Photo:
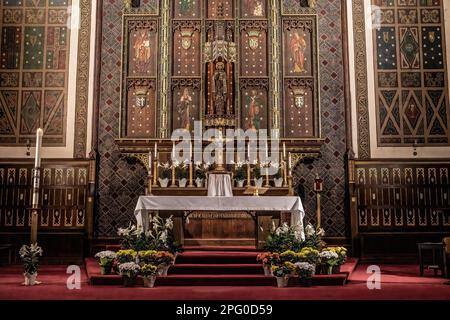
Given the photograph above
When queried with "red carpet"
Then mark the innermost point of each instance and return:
(218, 268)
(398, 282)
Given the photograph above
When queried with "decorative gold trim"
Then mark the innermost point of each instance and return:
(276, 41)
(82, 95)
(362, 98)
(165, 90)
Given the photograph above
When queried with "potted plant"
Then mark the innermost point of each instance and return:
(328, 260)
(182, 175)
(277, 177)
(126, 256)
(282, 273)
(129, 272)
(30, 258)
(289, 256)
(149, 272)
(305, 271)
(258, 176)
(267, 259)
(239, 174)
(200, 174)
(165, 173)
(148, 257)
(106, 261)
(309, 255)
(165, 260)
(342, 258)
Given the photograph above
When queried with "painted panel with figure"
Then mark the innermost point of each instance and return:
(297, 37)
(253, 9)
(143, 52)
(254, 111)
(186, 103)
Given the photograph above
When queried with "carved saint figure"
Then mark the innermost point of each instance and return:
(220, 88)
(142, 50)
(254, 119)
(184, 109)
(298, 48)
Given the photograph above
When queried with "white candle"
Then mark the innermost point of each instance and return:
(267, 151)
(284, 150)
(39, 134)
(156, 150)
(248, 151)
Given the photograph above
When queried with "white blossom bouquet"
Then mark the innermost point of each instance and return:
(106, 258)
(129, 269)
(329, 258)
(305, 270)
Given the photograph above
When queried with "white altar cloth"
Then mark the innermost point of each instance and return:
(219, 185)
(149, 204)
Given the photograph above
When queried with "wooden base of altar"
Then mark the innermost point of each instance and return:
(225, 229)
(158, 191)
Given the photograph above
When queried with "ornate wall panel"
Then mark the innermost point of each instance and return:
(411, 85)
(300, 71)
(140, 76)
(63, 197)
(403, 197)
(33, 72)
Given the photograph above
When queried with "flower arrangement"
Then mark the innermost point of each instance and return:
(284, 238)
(289, 256)
(329, 259)
(283, 270)
(257, 172)
(341, 252)
(268, 258)
(106, 261)
(149, 270)
(165, 258)
(126, 256)
(239, 173)
(133, 238)
(161, 237)
(201, 169)
(148, 257)
(129, 272)
(30, 257)
(305, 271)
(181, 171)
(276, 166)
(165, 171)
(314, 237)
(309, 255)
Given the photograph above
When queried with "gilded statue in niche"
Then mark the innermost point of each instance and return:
(297, 46)
(219, 88)
(185, 106)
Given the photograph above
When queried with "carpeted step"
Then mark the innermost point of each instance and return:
(197, 269)
(217, 257)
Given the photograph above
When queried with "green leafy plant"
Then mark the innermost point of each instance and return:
(148, 270)
(284, 238)
(126, 256)
(165, 171)
(30, 257)
(285, 269)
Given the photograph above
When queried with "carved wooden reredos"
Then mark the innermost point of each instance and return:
(249, 64)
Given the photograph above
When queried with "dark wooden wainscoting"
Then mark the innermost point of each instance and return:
(397, 204)
(66, 213)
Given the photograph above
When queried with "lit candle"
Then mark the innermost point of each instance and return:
(39, 134)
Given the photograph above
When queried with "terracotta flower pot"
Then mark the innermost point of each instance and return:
(149, 282)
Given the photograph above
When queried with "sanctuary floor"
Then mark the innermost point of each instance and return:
(399, 282)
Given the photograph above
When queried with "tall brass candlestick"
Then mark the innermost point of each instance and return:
(291, 189)
(267, 177)
(34, 225)
(285, 175)
(174, 179)
(249, 176)
(150, 184)
(191, 175)
(155, 174)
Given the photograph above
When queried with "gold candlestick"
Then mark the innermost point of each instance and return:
(285, 175)
(267, 177)
(174, 179)
(34, 226)
(191, 175)
(249, 176)
(291, 189)
(150, 179)
(155, 174)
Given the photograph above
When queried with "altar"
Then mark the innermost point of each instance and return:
(263, 210)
